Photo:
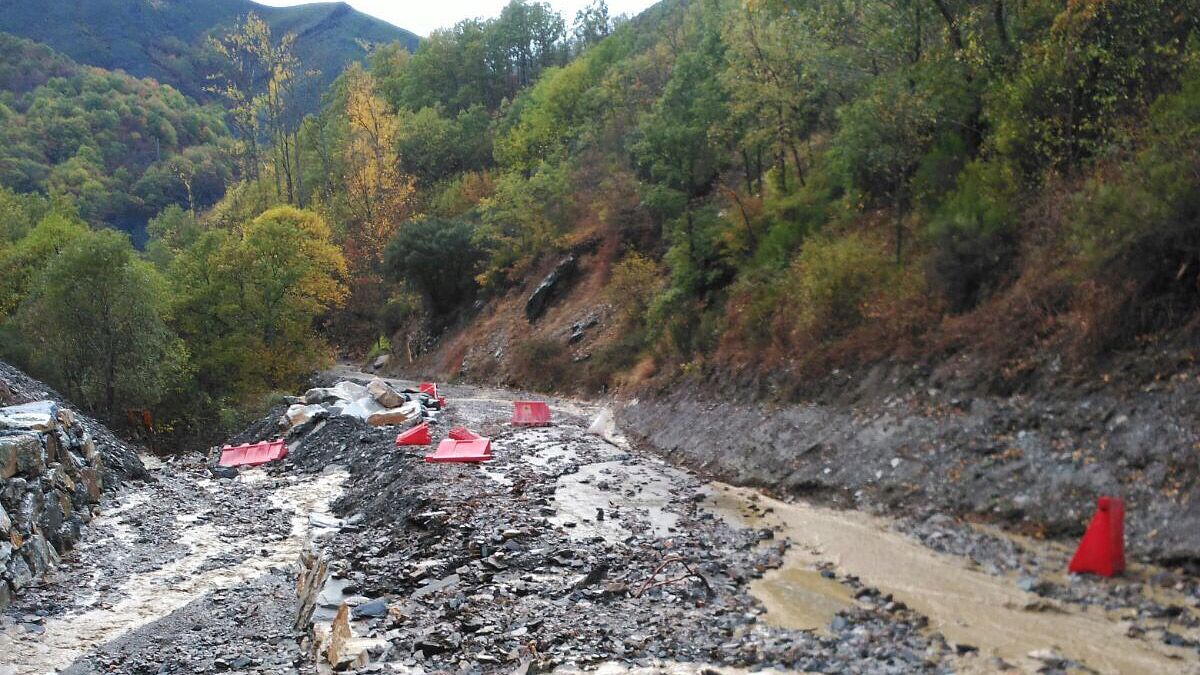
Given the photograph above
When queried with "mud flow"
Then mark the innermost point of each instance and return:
(569, 552)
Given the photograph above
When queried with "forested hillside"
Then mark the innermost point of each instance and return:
(167, 39)
(796, 187)
(776, 188)
(120, 148)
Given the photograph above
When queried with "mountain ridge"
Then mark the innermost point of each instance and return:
(162, 39)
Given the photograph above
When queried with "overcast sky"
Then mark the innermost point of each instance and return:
(423, 16)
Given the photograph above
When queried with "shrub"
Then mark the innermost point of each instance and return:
(831, 281)
(1101, 64)
(633, 284)
(540, 364)
(973, 235)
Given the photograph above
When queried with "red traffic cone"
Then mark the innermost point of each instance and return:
(1102, 549)
(418, 435)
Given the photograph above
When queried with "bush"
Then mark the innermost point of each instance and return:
(540, 364)
(633, 284)
(973, 235)
(1101, 64)
(831, 281)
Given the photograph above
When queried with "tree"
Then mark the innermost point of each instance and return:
(262, 82)
(248, 300)
(242, 50)
(378, 193)
(592, 24)
(21, 262)
(97, 320)
(439, 259)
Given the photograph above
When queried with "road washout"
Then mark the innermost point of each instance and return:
(570, 552)
(969, 607)
(158, 547)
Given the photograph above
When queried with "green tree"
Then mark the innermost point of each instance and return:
(439, 259)
(248, 301)
(22, 261)
(97, 321)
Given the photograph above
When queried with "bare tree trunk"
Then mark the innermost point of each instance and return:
(952, 27)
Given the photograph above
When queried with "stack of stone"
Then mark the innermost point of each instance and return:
(50, 485)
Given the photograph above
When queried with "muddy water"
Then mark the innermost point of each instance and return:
(152, 595)
(967, 606)
(800, 598)
(586, 499)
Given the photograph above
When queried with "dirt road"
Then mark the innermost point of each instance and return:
(568, 551)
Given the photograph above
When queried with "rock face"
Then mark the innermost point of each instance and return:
(54, 467)
(551, 287)
(50, 485)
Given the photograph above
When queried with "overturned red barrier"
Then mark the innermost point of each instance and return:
(450, 450)
(418, 435)
(463, 434)
(1102, 549)
(253, 454)
(428, 388)
(531, 413)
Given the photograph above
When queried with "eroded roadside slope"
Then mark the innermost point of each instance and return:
(921, 444)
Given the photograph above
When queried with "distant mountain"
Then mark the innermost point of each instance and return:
(162, 39)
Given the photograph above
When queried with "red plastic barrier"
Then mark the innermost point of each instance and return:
(253, 454)
(463, 434)
(450, 450)
(531, 413)
(418, 435)
(428, 388)
(1102, 549)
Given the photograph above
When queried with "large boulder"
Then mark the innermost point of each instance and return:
(18, 573)
(35, 416)
(384, 395)
(21, 453)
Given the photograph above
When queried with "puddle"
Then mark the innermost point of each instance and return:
(150, 596)
(967, 606)
(579, 497)
(800, 599)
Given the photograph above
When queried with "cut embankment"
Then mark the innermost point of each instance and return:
(1035, 465)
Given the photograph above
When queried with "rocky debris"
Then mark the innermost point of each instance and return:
(551, 287)
(161, 537)
(579, 328)
(384, 395)
(50, 487)
(118, 461)
(381, 362)
(377, 403)
(242, 629)
(445, 567)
